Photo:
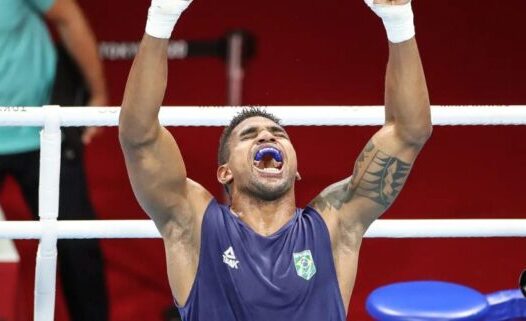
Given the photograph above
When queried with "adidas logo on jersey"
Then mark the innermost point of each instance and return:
(229, 258)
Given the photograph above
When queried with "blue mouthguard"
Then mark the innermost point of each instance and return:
(268, 151)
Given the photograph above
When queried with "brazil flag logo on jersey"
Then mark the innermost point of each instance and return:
(304, 264)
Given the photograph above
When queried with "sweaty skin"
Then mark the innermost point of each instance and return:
(176, 203)
(351, 205)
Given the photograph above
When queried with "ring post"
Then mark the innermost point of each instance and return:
(235, 71)
(46, 264)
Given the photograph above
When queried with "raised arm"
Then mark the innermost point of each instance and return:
(154, 162)
(382, 168)
(153, 159)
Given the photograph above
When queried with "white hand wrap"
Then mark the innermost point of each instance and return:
(163, 15)
(397, 19)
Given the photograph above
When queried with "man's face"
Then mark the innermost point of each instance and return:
(262, 160)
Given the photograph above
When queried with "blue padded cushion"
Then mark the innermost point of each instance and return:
(506, 305)
(426, 301)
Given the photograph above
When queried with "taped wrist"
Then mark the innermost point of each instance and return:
(163, 15)
(398, 20)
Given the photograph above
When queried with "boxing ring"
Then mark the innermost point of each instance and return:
(51, 118)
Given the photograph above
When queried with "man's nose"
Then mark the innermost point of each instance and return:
(266, 136)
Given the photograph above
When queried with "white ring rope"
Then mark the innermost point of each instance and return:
(291, 116)
(446, 228)
(48, 229)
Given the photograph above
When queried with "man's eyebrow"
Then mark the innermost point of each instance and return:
(248, 131)
(277, 129)
(254, 129)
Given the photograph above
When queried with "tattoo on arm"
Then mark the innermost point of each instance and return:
(376, 176)
(379, 177)
(334, 196)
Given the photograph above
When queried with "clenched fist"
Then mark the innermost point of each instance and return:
(397, 16)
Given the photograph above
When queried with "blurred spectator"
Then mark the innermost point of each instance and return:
(29, 66)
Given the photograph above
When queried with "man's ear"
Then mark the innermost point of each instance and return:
(224, 174)
(298, 176)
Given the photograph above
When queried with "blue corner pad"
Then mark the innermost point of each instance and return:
(427, 301)
(506, 305)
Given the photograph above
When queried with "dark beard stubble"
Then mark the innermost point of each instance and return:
(266, 193)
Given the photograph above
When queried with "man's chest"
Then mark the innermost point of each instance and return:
(274, 278)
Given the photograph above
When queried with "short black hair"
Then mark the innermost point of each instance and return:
(224, 152)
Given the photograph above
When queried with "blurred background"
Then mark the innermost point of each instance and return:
(327, 53)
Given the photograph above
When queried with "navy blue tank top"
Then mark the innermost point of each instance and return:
(243, 276)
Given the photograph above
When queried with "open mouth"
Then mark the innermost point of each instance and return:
(268, 160)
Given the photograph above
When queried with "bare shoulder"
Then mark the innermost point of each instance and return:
(380, 172)
(187, 212)
(330, 203)
(199, 197)
(333, 197)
